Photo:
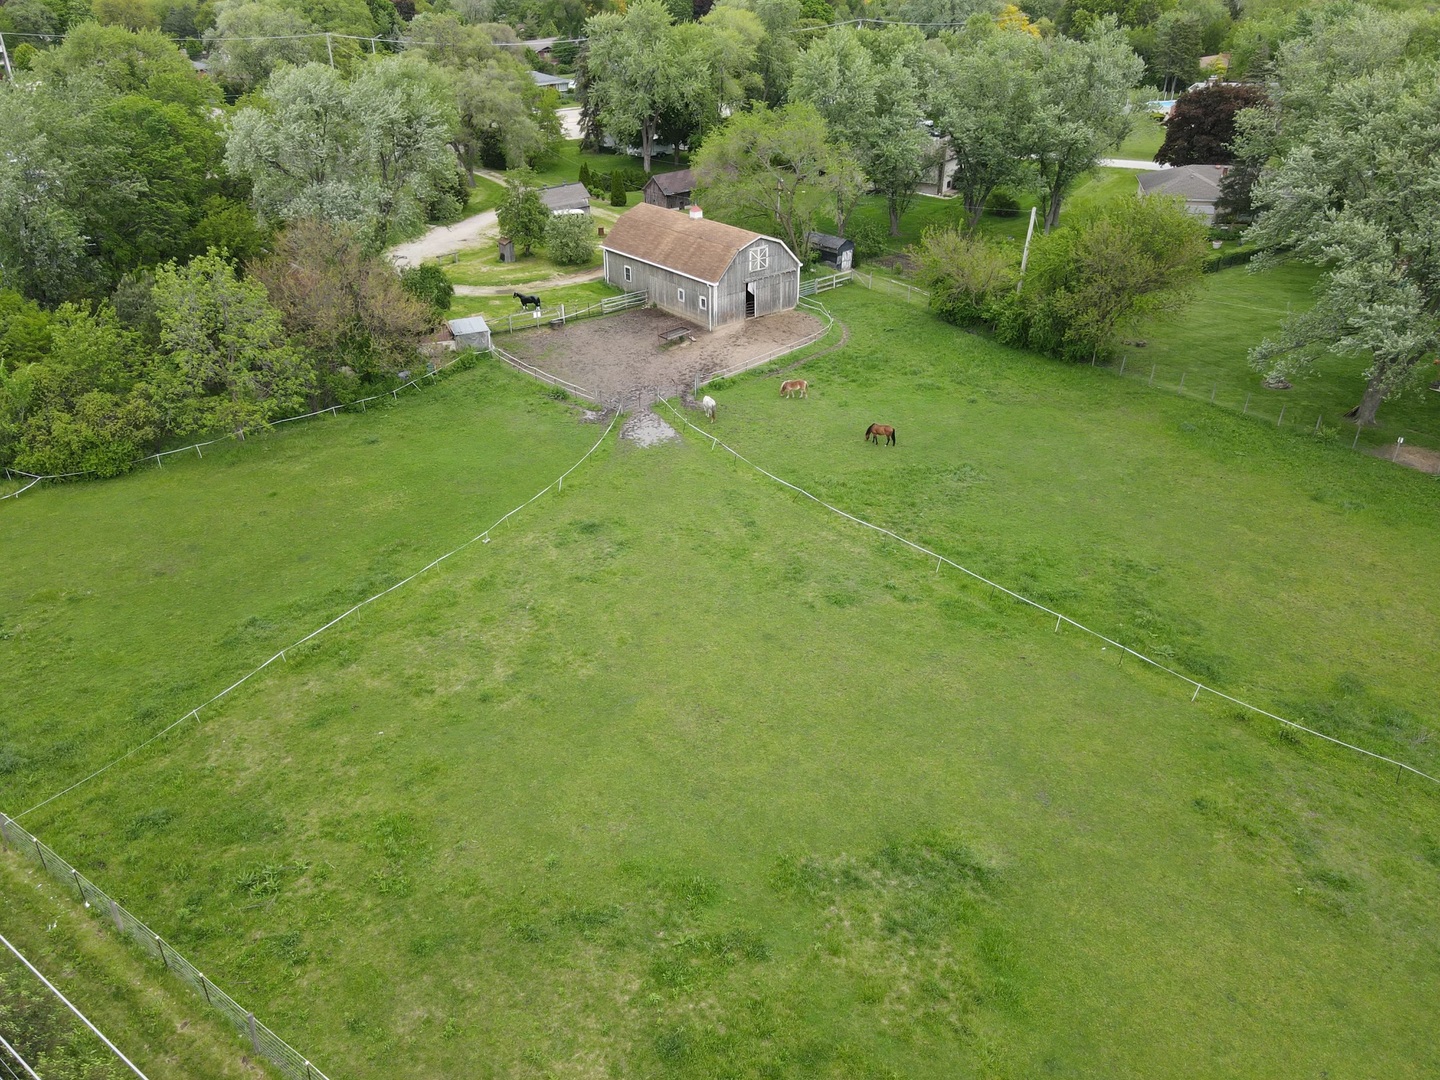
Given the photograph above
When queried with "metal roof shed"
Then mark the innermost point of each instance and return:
(471, 333)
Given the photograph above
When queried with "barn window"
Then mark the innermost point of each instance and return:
(759, 258)
(680, 295)
(704, 303)
(627, 273)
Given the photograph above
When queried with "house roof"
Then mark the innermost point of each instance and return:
(696, 247)
(565, 196)
(826, 242)
(543, 78)
(1199, 183)
(680, 182)
(475, 324)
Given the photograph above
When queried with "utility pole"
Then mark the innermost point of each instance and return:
(1025, 255)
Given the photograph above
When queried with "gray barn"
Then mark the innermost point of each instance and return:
(703, 271)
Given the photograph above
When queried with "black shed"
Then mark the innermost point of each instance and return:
(835, 251)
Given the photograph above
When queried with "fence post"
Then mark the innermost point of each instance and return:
(1356, 442)
(1122, 364)
(161, 946)
(75, 876)
(1151, 381)
(1182, 382)
(41, 852)
(1317, 423)
(205, 988)
(1281, 420)
(115, 914)
(1246, 410)
(1212, 393)
(254, 1039)
(4, 840)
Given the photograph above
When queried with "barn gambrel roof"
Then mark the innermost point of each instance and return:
(695, 247)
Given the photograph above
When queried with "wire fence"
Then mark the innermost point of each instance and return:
(434, 371)
(890, 285)
(264, 1042)
(528, 320)
(1271, 407)
(1060, 619)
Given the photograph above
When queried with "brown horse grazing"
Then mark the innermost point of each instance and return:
(793, 387)
(875, 432)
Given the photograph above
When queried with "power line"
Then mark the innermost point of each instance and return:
(16, 1055)
(83, 1018)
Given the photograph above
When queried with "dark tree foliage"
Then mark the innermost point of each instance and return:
(1202, 124)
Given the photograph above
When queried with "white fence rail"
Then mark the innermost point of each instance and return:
(528, 320)
(264, 1042)
(544, 376)
(824, 284)
(774, 354)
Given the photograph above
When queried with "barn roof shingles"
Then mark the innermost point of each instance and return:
(680, 182)
(698, 248)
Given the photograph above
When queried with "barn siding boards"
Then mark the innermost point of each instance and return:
(667, 252)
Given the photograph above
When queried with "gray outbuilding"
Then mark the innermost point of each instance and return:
(704, 271)
(569, 198)
(834, 251)
(471, 333)
(670, 189)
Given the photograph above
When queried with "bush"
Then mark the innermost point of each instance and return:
(1002, 204)
(869, 238)
(617, 189)
(570, 239)
(428, 283)
(1236, 256)
(966, 274)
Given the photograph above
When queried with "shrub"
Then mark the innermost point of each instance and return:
(570, 239)
(965, 274)
(869, 238)
(1002, 204)
(428, 283)
(617, 189)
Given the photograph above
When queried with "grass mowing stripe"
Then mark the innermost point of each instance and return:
(195, 712)
(1059, 618)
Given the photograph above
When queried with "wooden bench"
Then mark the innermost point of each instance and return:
(679, 333)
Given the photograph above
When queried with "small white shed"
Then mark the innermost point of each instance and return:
(471, 333)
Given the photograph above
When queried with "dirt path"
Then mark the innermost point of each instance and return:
(544, 283)
(443, 240)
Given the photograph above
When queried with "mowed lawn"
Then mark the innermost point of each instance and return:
(682, 775)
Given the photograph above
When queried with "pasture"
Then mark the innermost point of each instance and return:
(681, 775)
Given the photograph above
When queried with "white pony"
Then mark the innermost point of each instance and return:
(708, 404)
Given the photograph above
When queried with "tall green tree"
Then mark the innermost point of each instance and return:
(1201, 126)
(521, 214)
(984, 100)
(634, 72)
(250, 40)
(369, 153)
(774, 168)
(1353, 186)
(1082, 108)
(228, 364)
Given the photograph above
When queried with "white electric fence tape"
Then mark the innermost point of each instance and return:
(1059, 618)
(195, 712)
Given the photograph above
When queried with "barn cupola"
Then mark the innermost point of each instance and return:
(696, 213)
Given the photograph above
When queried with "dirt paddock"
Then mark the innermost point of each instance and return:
(622, 355)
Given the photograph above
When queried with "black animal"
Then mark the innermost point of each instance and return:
(527, 301)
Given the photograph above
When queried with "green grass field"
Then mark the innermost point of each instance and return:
(1207, 345)
(682, 776)
(573, 297)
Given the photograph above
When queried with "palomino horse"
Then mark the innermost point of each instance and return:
(708, 404)
(527, 301)
(875, 432)
(793, 387)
